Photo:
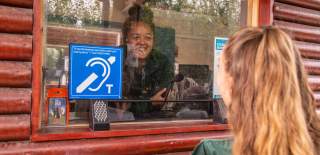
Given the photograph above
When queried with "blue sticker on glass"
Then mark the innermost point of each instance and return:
(220, 42)
(95, 72)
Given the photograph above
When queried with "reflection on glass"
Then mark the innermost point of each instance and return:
(78, 12)
(55, 68)
(161, 40)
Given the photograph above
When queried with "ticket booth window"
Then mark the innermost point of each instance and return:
(168, 61)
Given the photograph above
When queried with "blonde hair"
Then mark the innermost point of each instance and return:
(272, 110)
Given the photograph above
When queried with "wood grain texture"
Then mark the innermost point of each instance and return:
(14, 127)
(315, 86)
(17, 3)
(148, 144)
(308, 50)
(317, 97)
(15, 47)
(314, 82)
(15, 74)
(51, 134)
(296, 14)
(15, 20)
(300, 32)
(312, 66)
(15, 100)
(36, 63)
(311, 4)
(265, 12)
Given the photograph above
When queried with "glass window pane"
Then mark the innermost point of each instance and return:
(169, 52)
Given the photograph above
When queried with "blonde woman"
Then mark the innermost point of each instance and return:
(270, 105)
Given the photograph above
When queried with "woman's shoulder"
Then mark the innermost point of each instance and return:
(157, 58)
(156, 54)
(213, 147)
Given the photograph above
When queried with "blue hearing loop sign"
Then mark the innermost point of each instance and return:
(95, 72)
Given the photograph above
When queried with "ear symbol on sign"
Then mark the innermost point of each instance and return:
(93, 76)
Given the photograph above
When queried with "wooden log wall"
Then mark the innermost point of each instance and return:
(301, 18)
(16, 19)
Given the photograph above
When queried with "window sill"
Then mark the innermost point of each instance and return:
(146, 144)
(127, 129)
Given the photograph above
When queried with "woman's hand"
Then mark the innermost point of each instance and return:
(139, 51)
(158, 97)
(136, 51)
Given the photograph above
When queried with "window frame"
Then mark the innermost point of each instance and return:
(137, 128)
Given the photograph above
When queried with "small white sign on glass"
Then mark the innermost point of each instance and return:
(219, 43)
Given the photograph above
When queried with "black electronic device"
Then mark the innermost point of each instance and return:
(98, 115)
(178, 78)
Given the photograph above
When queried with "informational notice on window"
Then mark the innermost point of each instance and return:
(95, 72)
(219, 43)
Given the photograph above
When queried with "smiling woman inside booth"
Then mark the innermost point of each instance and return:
(147, 71)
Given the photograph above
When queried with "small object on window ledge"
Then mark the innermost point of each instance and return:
(57, 106)
(98, 116)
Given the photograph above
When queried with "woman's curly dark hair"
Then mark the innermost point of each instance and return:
(137, 13)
